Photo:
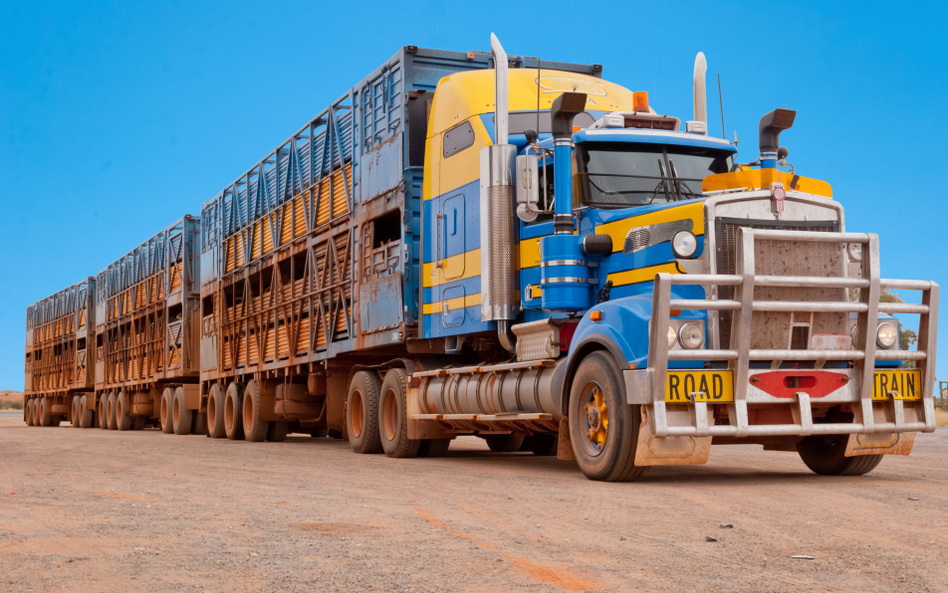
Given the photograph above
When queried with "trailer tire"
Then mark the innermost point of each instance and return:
(604, 428)
(826, 455)
(255, 428)
(504, 443)
(29, 412)
(74, 412)
(164, 410)
(232, 411)
(180, 416)
(85, 414)
(111, 404)
(37, 412)
(277, 430)
(434, 447)
(45, 418)
(362, 412)
(215, 412)
(123, 421)
(198, 422)
(102, 415)
(393, 417)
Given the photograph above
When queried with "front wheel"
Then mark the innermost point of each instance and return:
(826, 455)
(603, 427)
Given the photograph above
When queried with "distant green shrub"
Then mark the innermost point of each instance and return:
(14, 405)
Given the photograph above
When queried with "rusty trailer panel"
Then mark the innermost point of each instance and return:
(146, 312)
(60, 333)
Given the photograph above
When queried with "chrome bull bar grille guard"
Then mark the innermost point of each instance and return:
(650, 388)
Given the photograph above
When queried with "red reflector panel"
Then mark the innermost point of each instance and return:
(789, 383)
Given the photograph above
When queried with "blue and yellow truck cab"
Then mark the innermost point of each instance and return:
(614, 286)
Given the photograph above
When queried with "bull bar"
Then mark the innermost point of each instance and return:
(650, 386)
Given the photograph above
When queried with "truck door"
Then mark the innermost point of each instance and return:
(451, 246)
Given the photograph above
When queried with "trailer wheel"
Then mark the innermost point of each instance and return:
(255, 429)
(215, 412)
(29, 412)
(164, 410)
(74, 412)
(434, 447)
(198, 422)
(504, 443)
(362, 412)
(45, 418)
(232, 416)
(180, 416)
(826, 455)
(85, 414)
(111, 410)
(123, 421)
(277, 430)
(102, 416)
(393, 417)
(604, 428)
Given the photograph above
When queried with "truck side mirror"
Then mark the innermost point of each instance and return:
(528, 187)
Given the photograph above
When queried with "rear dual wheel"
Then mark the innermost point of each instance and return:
(28, 412)
(74, 412)
(45, 418)
(393, 417)
(110, 409)
(181, 417)
(215, 412)
(102, 417)
(85, 414)
(233, 405)
(362, 412)
(255, 428)
(123, 420)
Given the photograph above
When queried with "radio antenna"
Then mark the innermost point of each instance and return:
(538, 96)
(721, 102)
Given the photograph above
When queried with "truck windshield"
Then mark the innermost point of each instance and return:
(621, 174)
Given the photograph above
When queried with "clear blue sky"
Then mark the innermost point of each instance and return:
(118, 117)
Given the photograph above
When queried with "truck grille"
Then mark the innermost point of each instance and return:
(726, 253)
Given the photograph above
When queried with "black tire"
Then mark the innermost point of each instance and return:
(393, 417)
(504, 443)
(123, 421)
(434, 447)
(215, 412)
(45, 418)
(199, 423)
(110, 409)
(826, 455)
(74, 412)
(37, 405)
(86, 417)
(604, 432)
(277, 430)
(255, 428)
(164, 410)
(180, 416)
(102, 412)
(542, 445)
(362, 412)
(28, 412)
(233, 400)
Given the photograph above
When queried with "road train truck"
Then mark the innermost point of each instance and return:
(492, 245)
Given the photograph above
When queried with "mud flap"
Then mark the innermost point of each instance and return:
(652, 450)
(880, 443)
(564, 444)
(886, 443)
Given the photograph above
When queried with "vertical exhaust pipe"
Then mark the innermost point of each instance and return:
(700, 97)
(500, 294)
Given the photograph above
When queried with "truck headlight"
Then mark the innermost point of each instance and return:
(887, 335)
(691, 336)
(684, 244)
(672, 337)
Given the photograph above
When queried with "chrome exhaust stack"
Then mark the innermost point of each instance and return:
(499, 291)
(700, 97)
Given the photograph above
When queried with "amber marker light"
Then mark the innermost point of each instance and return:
(640, 101)
(596, 315)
